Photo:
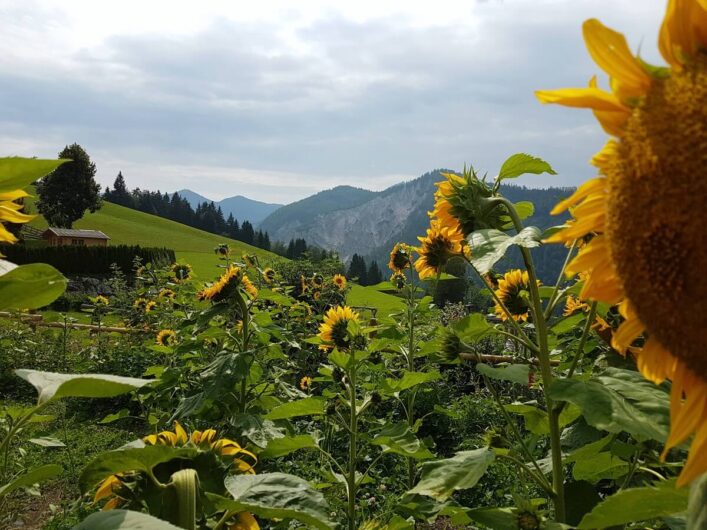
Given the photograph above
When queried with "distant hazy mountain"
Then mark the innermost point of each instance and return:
(241, 207)
(356, 221)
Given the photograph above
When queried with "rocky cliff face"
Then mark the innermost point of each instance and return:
(365, 229)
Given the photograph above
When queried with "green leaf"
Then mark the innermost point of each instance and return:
(441, 478)
(47, 441)
(407, 381)
(524, 209)
(52, 386)
(302, 407)
(488, 246)
(38, 474)
(568, 323)
(602, 466)
(123, 520)
(697, 503)
(30, 286)
(619, 400)
(278, 298)
(276, 496)
(136, 456)
(399, 439)
(472, 328)
(520, 164)
(637, 504)
(290, 444)
(110, 418)
(536, 420)
(494, 518)
(18, 173)
(515, 373)
(256, 429)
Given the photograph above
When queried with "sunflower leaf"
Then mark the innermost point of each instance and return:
(123, 520)
(520, 164)
(441, 478)
(488, 246)
(29, 286)
(18, 173)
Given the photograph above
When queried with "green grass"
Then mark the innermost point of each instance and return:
(130, 227)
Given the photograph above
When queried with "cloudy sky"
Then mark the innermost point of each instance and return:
(277, 100)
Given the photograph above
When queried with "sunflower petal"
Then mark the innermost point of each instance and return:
(585, 98)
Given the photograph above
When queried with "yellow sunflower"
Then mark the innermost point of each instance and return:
(268, 275)
(249, 260)
(572, 305)
(339, 280)
(181, 271)
(334, 330)
(140, 303)
(167, 293)
(100, 300)
(399, 257)
(317, 295)
(443, 208)
(514, 291)
(10, 213)
(227, 284)
(645, 210)
(303, 286)
(166, 337)
(150, 306)
(441, 243)
(305, 383)
(398, 279)
(243, 461)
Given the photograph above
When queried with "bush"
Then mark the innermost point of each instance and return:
(88, 260)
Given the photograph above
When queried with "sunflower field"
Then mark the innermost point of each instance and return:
(264, 399)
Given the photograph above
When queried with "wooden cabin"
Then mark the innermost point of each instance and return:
(57, 237)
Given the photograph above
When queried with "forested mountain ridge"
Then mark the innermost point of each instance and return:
(356, 221)
(240, 207)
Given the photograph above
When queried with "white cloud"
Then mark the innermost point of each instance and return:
(277, 99)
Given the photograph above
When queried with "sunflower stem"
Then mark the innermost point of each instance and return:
(558, 475)
(553, 297)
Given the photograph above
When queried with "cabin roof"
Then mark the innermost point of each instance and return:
(72, 232)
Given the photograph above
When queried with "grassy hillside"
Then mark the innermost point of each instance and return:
(193, 246)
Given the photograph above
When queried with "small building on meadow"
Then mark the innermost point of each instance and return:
(57, 237)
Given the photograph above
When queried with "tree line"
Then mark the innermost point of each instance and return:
(366, 274)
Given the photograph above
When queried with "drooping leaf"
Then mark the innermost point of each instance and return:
(276, 496)
(520, 164)
(289, 444)
(441, 478)
(494, 518)
(602, 466)
(30, 286)
(134, 457)
(123, 520)
(18, 173)
(515, 373)
(34, 476)
(619, 400)
(407, 381)
(489, 245)
(637, 504)
(399, 439)
(47, 441)
(302, 407)
(51, 386)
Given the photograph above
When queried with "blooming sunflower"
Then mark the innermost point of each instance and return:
(140, 303)
(441, 243)
(100, 300)
(249, 260)
(181, 271)
(317, 295)
(398, 279)
(513, 291)
(167, 293)
(150, 306)
(305, 383)
(572, 305)
(339, 280)
(166, 337)
(240, 461)
(646, 209)
(334, 330)
(227, 284)
(268, 275)
(399, 257)
(10, 213)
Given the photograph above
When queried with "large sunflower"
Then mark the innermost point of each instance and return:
(514, 291)
(441, 243)
(10, 213)
(646, 209)
(232, 279)
(334, 330)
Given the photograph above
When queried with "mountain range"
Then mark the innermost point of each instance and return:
(242, 208)
(357, 221)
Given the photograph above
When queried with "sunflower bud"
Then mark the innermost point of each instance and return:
(451, 346)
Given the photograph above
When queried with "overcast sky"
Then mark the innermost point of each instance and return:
(277, 100)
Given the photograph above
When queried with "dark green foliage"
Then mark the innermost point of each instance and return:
(358, 270)
(77, 259)
(68, 191)
(374, 274)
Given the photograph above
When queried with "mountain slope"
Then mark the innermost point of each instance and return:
(242, 208)
(354, 221)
